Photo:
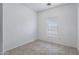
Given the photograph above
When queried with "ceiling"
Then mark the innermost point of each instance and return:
(41, 6)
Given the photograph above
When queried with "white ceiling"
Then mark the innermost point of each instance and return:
(40, 6)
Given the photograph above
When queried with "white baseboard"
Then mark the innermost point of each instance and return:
(56, 43)
(19, 45)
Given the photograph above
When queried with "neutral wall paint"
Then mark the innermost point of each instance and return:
(78, 28)
(19, 25)
(0, 28)
(67, 23)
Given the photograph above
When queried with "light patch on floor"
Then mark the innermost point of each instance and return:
(39, 47)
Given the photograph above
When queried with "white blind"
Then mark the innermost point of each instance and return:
(52, 28)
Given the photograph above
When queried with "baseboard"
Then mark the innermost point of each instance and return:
(19, 45)
(57, 43)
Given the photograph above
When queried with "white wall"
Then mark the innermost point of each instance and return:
(78, 29)
(67, 22)
(0, 28)
(19, 25)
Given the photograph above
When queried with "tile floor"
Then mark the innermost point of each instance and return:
(39, 47)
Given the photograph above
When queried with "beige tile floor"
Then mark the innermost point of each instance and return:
(39, 47)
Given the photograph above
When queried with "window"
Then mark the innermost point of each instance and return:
(52, 28)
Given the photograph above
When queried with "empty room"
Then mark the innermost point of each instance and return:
(40, 29)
